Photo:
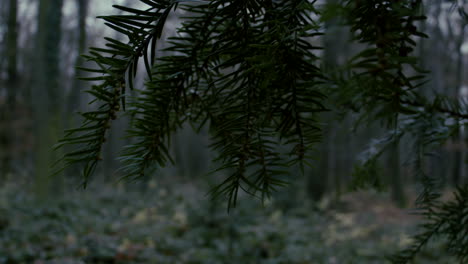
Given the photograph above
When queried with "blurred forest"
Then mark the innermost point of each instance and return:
(166, 217)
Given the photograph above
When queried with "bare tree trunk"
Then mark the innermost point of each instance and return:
(47, 96)
(458, 155)
(397, 185)
(74, 96)
(8, 109)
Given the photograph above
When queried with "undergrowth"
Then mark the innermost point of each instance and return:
(179, 224)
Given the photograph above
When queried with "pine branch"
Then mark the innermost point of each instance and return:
(112, 72)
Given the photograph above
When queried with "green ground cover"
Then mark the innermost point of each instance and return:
(179, 224)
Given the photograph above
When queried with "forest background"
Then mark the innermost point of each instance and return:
(39, 92)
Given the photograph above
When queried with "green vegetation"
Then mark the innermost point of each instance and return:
(177, 224)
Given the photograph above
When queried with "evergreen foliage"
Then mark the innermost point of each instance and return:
(251, 71)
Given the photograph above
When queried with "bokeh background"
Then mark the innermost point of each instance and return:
(167, 217)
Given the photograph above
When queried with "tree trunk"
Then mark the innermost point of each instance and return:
(47, 97)
(8, 108)
(74, 98)
(397, 192)
(458, 137)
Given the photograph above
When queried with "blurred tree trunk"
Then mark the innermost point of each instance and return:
(12, 43)
(397, 186)
(74, 96)
(458, 137)
(47, 97)
(8, 108)
(433, 58)
(318, 177)
(190, 152)
(330, 174)
(321, 177)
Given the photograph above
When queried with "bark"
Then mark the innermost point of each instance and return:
(458, 137)
(47, 97)
(397, 186)
(8, 108)
(74, 98)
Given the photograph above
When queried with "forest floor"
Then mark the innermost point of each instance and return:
(180, 224)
